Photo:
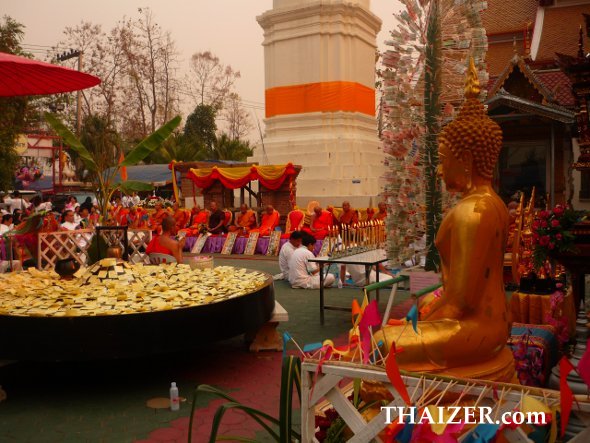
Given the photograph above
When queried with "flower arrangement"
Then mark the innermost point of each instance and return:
(552, 233)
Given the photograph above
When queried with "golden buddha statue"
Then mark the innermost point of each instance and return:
(463, 332)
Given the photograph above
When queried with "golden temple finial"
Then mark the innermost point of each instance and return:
(472, 87)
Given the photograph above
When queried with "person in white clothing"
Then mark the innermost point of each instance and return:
(16, 202)
(302, 273)
(358, 273)
(6, 224)
(287, 250)
(69, 223)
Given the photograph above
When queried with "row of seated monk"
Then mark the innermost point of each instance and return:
(316, 220)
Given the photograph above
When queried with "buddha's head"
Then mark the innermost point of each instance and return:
(469, 146)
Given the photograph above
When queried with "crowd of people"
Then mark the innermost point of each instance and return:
(172, 224)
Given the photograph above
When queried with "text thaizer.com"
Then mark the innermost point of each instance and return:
(460, 414)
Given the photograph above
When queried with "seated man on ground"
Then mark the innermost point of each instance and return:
(382, 213)
(244, 222)
(180, 215)
(158, 217)
(359, 277)
(348, 216)
(198, 222)
(320, 221)
(164, 243)
(287, 251)
(270, 220)
(216, 223)
(302, 273)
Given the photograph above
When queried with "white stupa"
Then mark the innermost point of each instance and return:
(320, 98)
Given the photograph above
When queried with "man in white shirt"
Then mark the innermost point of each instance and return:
(16, 202)
(358, 275)
(302, 273)
(135, 200)
(287, 250)
(69, 223)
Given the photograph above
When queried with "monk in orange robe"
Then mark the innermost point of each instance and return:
(245, 221)
(137, 218)
(198, 222)
(348, 216)
(270, 220)
(382, 212)
(158, 217)
(181, 216)
(320, 221)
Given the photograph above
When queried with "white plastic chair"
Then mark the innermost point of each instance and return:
(157, 258)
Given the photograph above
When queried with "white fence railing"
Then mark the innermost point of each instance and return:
(58, 245)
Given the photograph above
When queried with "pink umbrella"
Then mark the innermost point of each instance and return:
(23, 76)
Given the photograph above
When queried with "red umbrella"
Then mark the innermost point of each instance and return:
(22, 76)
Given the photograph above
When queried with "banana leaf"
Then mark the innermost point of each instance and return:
(134, 185)
(73, 142)
(290, 375)
(150, 143)
(254, 413)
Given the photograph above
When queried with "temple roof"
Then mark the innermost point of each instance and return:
(506, 16)
(560, 31)
(505, 100)
(545, 87)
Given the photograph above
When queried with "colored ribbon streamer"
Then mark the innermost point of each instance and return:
(567, 396)
(392, 371)
(174, 184)
(584, 365)
(413, 317)
(483, 433)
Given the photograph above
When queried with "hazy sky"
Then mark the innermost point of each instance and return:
(228, 28)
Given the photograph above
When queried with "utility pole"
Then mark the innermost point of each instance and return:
(66, 56)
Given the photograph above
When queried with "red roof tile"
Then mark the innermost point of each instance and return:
(499, 55)
(561, 31)
(559, 85)
(503, 16)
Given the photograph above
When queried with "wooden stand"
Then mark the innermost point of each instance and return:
(268, 338)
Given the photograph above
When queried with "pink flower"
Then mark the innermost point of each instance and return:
(544, 214)
(544, 240)
(554, 223)
(536, 225)
(551, 245)
(558, 236)
(543, 223)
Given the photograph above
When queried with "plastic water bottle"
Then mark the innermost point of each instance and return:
(174, 400)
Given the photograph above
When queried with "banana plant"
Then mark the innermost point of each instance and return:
(107, 185)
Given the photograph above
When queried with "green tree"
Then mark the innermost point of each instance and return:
(224, 148)
(200, 126)
(102, 141)
(12, 109)
(176, 148)
(106, 177)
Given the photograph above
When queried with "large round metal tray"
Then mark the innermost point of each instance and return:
(135, 334)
